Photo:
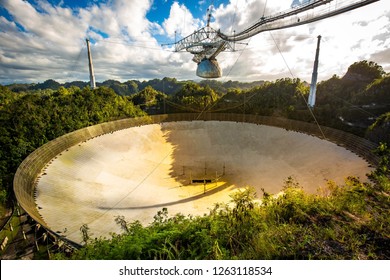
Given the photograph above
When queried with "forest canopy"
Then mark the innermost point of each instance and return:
(28, 120)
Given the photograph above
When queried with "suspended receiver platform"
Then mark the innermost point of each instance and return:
(206, 43)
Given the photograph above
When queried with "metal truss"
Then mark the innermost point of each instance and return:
(206, 43)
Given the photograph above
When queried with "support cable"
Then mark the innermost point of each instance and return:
(106, 210)
(292, 75)
(215, 103)
(234, 17)
(265, 6)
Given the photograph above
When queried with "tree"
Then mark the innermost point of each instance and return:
(27, 121)
(146, 97)
(150, 100)
(132, 87)
(194, 97)
(365, 71)
(379, 131)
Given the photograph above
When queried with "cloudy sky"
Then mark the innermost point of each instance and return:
(45, 39)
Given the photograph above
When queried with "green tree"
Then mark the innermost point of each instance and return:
(379, 131)
(29, 120)
(145, 98)
(194, 97)
(366, 71)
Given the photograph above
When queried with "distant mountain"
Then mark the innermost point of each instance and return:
(166, 85)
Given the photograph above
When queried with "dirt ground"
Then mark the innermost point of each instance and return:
(137, 171)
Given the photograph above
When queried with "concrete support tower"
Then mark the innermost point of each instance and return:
(313, 85)
(91, 74)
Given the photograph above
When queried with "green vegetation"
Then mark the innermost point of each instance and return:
(11, 229)
(351, 103)
(349, 221)
(28, 120)
(379, 131)
(149, 98)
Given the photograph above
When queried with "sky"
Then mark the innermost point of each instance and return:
(45, 39)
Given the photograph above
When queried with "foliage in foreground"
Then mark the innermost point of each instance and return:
(351, 221)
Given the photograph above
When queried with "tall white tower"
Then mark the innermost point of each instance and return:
(91, 74)
(313, 85)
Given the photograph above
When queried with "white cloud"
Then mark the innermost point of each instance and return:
(59, 26)
(48, 42)
(360, 34)
(180, 21)
(52, 42)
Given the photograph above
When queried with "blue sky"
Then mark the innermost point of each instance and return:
(45, 39)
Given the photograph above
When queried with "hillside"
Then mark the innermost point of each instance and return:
(168, 86)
